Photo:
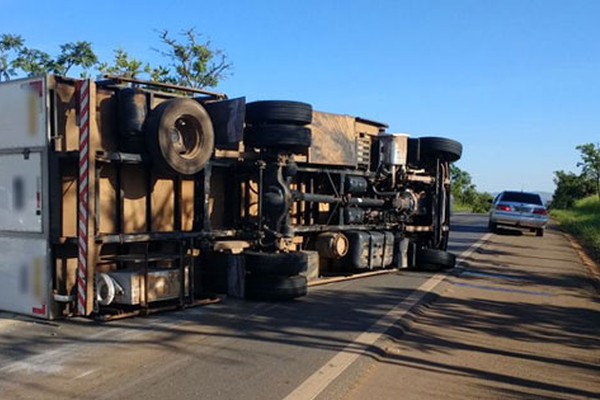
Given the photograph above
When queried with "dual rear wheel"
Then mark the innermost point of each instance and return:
(278, 125)
(276, 276)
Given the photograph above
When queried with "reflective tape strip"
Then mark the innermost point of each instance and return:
(82, 229)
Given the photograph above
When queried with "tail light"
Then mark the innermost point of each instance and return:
(502, 207)
(540, 211)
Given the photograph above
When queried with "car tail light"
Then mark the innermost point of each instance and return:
(502, 207)
(540, 211)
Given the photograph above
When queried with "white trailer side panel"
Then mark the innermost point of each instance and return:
(25, 279)
(21, 192)
(23, 114)
(24, 276)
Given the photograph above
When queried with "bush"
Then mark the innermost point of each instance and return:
(583, 221)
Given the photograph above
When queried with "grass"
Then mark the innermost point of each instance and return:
(583, 222)
(460, 207)
(480, 208)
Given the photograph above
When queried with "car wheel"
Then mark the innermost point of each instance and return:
(492, 227)
(278, 264)
(270, 287)
(180, 136)
(278, 112)
(539, 232)
(435, 259)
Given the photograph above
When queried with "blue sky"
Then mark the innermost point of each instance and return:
(517, 82)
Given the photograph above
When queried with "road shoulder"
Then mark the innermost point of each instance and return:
(521, 321)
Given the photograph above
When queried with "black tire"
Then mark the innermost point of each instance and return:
(286, 137)
(278, 112)
(277, 264)
(435, 259)
(432, 148)
(270, 287)
(444, 242)
(132, 114)
(492, 227)
(180, 136)
(539, 232)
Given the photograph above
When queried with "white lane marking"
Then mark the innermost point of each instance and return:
(467, 253)
(317, 382)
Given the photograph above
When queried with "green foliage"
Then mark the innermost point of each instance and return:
(461, 180)
(583, 221)
(15, 57)
(191, 61)
(74, 54)
(570, 187)
(9, 45)
(590, 162)
(123, 65)
(464, 193)
(33, 62)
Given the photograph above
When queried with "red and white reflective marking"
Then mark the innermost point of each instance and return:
(83, 214)
(39, 310)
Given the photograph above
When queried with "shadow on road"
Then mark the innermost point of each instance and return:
(331, 318)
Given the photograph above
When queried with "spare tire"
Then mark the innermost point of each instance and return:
(279, 112)
(442, 148)
(180, 136)
(273, 136)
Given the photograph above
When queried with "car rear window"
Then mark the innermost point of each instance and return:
(521, 197)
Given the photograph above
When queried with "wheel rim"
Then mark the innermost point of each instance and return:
(187, 137)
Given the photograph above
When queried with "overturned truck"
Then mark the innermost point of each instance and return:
(120, 197)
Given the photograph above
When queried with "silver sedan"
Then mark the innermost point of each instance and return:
(519, 210)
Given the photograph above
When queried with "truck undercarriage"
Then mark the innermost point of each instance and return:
(187, 196)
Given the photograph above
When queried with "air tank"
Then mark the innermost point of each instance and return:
(393, 148)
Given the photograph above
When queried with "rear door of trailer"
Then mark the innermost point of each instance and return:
(25, 280)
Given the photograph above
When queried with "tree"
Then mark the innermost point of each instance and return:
(15, 56)
(194, 62)
(33, 61)
(75, 54)
(590, 163)
(8, 44)
(460, 180)
(465, 192)
(123, 65)
(570, 187)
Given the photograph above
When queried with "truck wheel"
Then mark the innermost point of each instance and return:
(132, 111)
(278, 112)
(271, 287)
(277, 264)
(539, 232)
(271, 136)
(444, 241)
(435, 259)
(180, 136)
(442, 148)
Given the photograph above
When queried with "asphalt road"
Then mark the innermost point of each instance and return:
(232, 350)
(520, 321)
